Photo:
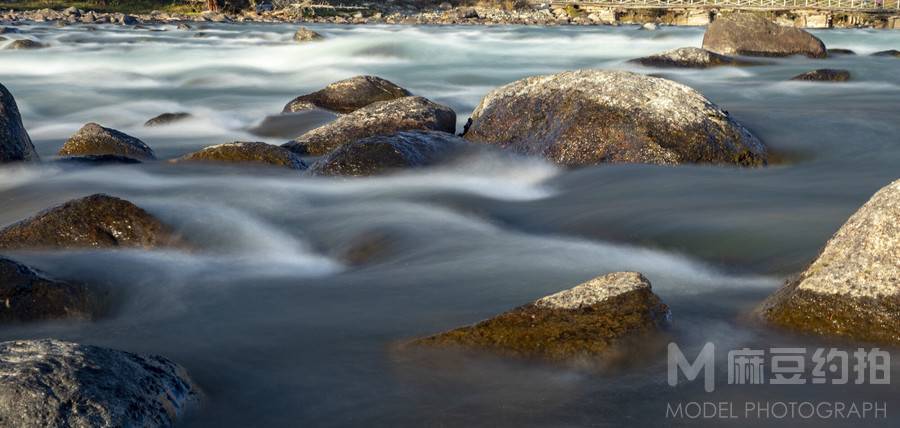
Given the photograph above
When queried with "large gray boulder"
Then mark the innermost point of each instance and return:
(690, 58)
(754, 35)
(93, 139)
(852, 288)
(386, 153)
(584, 321)
(96, 221)
(246, 153)
(590, 117)
(348, 95)
(51, 383)
(15, 145)
(29, 295)
(380, 118)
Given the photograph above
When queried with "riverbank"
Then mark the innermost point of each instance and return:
(541, 16)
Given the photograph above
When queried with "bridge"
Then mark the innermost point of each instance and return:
(886, 6)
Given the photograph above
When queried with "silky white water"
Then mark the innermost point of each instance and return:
(279, 329)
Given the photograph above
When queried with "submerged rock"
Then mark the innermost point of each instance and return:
(690, 58)
(246, 152)
(306, 35)
(752, 34)
(98, 160)
(892, 52)
(590, 117)
(15, 144)
(28, 295)
(385, 153)
(839, 51)
(348, 95)
(380, 118)
(22, 44)
(54, 383)
(167, 118)
(583, 321)
(852, 289)
(93, 139)
(96, 221)
(824, 75)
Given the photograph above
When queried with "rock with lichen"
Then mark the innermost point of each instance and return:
(96, 221)
(690, 58)
(590, 117)
(754, 35)
(852, 289)
(15, 144)
(29, 295)
(348, 95)
(583, 321)
(387, 153)
(93, 139)
(49, 382)
(379, 118)
(246, 153)
(824, 75)
(304, 34)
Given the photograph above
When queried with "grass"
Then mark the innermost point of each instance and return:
(123, 6)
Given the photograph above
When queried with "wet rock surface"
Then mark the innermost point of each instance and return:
(888, 53)
(383, 154)
(54, 383)
(839, 51)
(590, 117)
(96, 221)
(167, 118)
(690, 58)
(380, 118)
(852, 289)
(248, 153)
(29, 295)
(15, 144)
(580, 322)
(348, 95)
(754, 35)
(824, 75)
(93, 139)
(306, 35)
(24, 44)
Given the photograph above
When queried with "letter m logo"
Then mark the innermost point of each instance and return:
(706, 361)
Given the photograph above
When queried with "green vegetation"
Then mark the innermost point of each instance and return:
(124, 6)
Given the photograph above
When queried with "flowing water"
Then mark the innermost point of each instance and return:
(279, 330)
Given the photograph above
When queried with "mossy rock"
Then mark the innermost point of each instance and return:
(852, 289)
(96, 221)
(582, 322)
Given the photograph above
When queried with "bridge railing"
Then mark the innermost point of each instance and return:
(863, 5)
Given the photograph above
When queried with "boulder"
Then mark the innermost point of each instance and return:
(96, 221)
(29, 295)
(167, 118)
(246, 152)
(380, 118)
(21, 44)
(888, 53)
(62, 384)
(583, 321)
(690, 58)
(649, 26)
(306, 35)
(93, 139)
(589, 117)
(385, 153)
(840, 51)
(348, 95)
(95, 160)
(754, 35)
(15, 144)
(852, 289)
(824, 75)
